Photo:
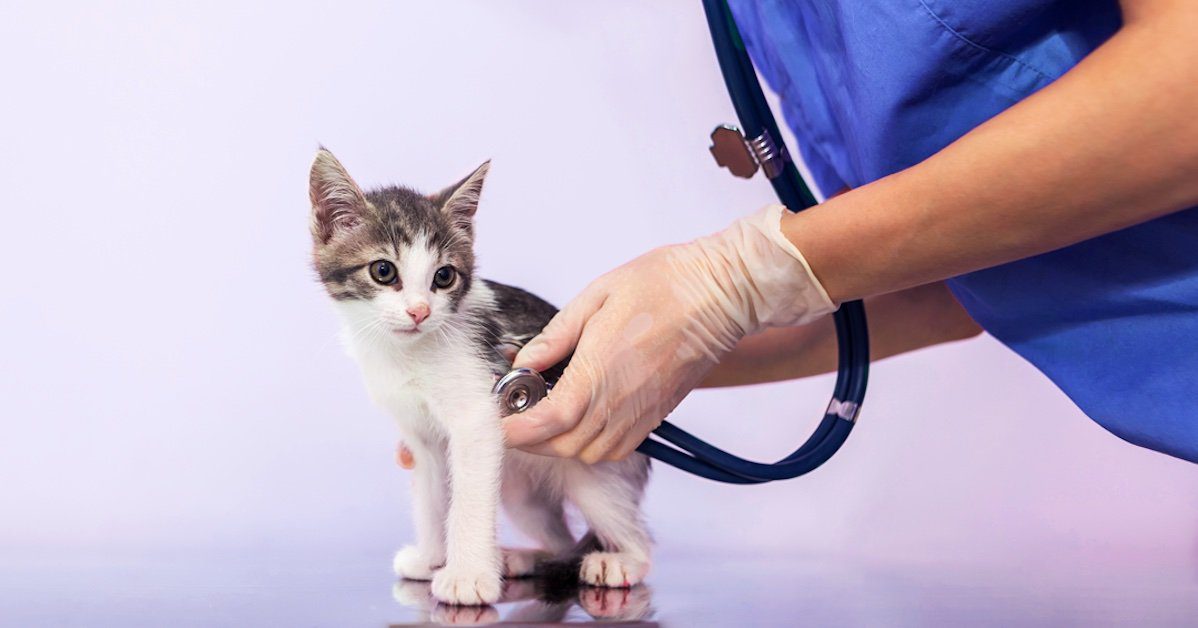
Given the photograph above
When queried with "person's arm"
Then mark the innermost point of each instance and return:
(1112, 143)
(898, 323)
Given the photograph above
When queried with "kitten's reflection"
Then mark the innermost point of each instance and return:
(539, 601)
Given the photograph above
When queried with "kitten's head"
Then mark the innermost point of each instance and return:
(398, 263)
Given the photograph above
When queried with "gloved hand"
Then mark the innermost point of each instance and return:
(646, 333)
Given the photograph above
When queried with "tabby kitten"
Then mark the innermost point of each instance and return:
(430, 339)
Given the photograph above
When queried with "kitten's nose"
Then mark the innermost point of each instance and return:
(418, 312)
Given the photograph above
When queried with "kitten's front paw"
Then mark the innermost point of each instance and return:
(413, 564)
(612, 569)
(467, 585)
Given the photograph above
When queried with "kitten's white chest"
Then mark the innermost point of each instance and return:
(413, 384)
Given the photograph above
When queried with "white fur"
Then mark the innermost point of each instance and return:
(438, 389)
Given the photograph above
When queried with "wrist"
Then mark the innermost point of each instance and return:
(765, 279)
(861, 243)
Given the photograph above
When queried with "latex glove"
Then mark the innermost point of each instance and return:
(645, 334)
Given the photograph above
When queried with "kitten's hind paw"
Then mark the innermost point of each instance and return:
(519, 563)
(612, 569)
(413, 564)
(466, 585)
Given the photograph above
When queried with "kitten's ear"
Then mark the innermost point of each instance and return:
(460, 201)
(337, 202)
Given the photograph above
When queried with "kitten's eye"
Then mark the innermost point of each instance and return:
(383, 272)
(445, 277)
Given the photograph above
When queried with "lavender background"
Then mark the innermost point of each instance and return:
(172, 381)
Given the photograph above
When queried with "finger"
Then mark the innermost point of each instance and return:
(597, 450)
(590, 430)
(601, 444)
(403, 457)
(627, 445)
(508, 350)
(595, 424)
(540, 449)
(558, 339)
(557, 414)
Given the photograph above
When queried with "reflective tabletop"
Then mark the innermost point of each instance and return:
(187, 588)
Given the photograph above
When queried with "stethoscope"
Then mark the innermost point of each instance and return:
(759, 146)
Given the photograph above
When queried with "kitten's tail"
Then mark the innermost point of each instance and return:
(565, 568)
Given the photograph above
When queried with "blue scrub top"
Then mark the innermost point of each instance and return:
(871, 87)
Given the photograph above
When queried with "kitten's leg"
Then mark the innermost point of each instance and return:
(429, 503)
(473, 570)
(608, 495)
(538, 515)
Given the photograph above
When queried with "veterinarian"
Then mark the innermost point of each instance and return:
(1022, 167)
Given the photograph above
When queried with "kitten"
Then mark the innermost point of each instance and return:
(431, 339)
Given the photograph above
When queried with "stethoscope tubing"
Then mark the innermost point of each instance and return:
(694, 455)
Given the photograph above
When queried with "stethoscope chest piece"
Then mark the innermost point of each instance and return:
(520, 390)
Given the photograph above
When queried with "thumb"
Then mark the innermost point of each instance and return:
(557, 340)
(403, 456)
(557, 414)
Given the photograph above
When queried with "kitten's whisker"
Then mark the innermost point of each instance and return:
(342, 336)
(364, 332)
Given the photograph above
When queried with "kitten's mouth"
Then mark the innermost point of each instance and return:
(405, 331)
